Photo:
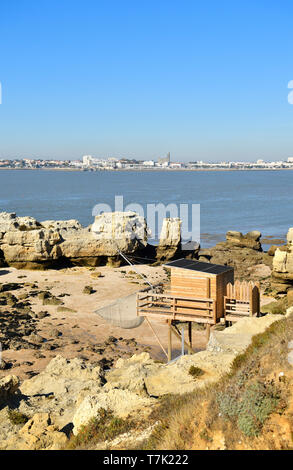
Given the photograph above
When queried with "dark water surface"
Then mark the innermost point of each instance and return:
(230, 200)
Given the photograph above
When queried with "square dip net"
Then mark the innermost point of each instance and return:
(121, 313)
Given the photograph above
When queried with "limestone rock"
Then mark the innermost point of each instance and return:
(125, 230)
(26, 243)
(170, 239)
(280, 261)
(39, 433)
(33, 246)
(121, 402)
(290, 237)
(242, 258)
(65, 226)
(60, 388)
(238, 337)
(10, 222)
(130, 374)
(175, 378)
(8, 386)
(290, 297)
(169, 380)
(250, 240)
(64, 377)
(272, 250)
(283, 264)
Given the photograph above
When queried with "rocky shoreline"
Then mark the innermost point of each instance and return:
(26, 243)
(33, 306)
(69, 393)
(58, 354)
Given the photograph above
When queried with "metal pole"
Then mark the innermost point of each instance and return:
(182, 341)
(169, 341)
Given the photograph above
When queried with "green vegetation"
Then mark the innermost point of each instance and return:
(167, 272)
(195, 371)
(236, 408)
(16, 417)
(66, 310)
(88, 290)
(277, 308)
(249, 407)
(104, 427)
(204, 435)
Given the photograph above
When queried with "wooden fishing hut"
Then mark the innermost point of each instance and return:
(195, 294)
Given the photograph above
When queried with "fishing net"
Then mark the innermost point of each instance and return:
(121, 313)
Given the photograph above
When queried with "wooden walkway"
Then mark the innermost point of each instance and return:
(161, 304)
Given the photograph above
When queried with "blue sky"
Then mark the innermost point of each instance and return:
(201, 79)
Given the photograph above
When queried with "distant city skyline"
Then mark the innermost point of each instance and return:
(209, 81)
(90, 163)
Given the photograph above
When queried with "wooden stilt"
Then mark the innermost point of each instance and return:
(190, 334)
(208, 331)
(170, 340)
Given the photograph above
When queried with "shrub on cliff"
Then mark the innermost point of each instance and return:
(104, 427)
(249, 407)
(240, 411)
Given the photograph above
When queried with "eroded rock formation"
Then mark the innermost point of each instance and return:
(68, 393)
(250, 240)
(27, 243)
(8, 386)
(170, 239)
(283, 265)
(243, 252)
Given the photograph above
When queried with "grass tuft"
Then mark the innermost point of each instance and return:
(195, 371)
(104, 427)
(16, 417)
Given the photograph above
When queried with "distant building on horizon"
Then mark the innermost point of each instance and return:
(166, 159)
(87, 160)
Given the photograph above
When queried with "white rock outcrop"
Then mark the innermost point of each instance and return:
(170, 239)
(121, 402)
(130, 374)
(64, 377)
(8, 386)
(66, 383)
(124, 230)
(283, 261)
(238, 337)
(175, 378)
(10, 222)
(39, 433)
(26, 243)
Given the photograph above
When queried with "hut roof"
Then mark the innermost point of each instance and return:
(194, 265)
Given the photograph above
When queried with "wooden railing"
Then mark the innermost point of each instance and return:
(157, 303)
(242, 300)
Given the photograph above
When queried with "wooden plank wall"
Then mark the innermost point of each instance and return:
(222, 280)
(201, 285)
(190, 284)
